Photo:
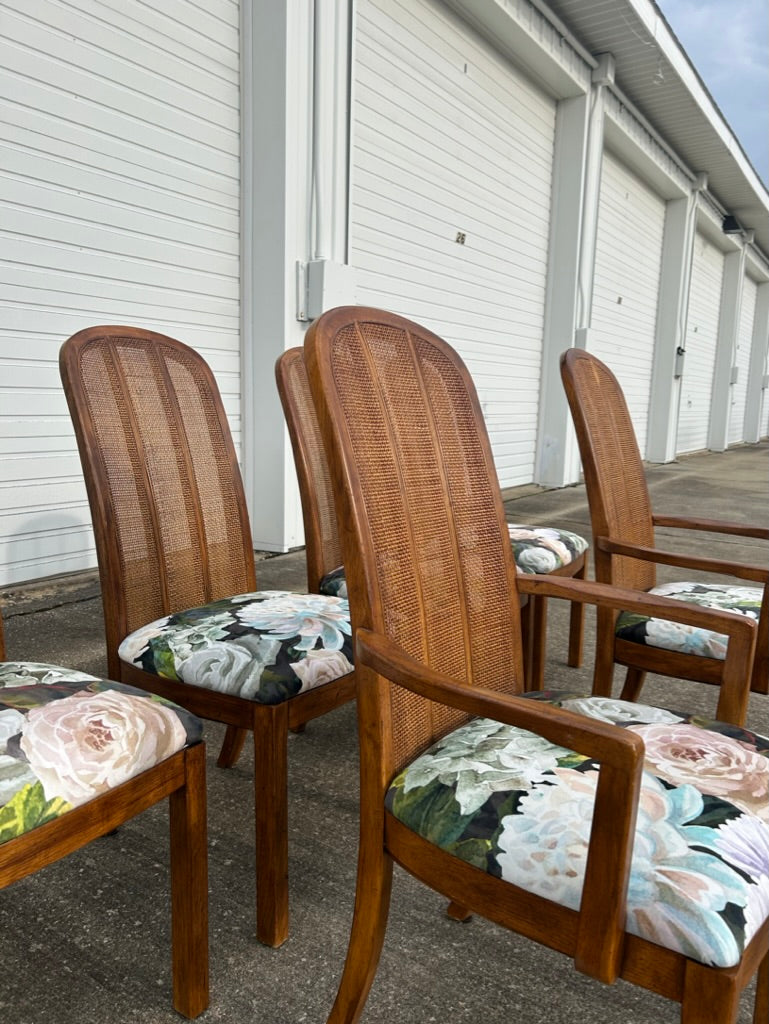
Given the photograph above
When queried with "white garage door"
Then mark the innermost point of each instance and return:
(452, 163)
(631, 221)
(119, 199)
(742, 362)
(701, 340)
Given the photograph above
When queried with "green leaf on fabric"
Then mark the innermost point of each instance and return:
(163, 658)
(432, 811)
(473, 851)
(29, 809)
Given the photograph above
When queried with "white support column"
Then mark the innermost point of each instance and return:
(757, 372)
(723, 373)
(571, 261)
(672, 310)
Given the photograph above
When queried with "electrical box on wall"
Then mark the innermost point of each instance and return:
(678, 369)
(321, 285)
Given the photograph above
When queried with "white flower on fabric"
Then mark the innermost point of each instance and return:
(482, 758)
(535, 559)
(716, 764)
(312, 617)
(677, 636)
(134, 645)
(714, 595)
(83, 745)
(676, 887)
(14, 776)
(234, 667)
(30, 673)
(744, 842)
(319, 667)
(607, 709)
(11, 723)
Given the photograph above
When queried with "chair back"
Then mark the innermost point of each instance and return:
(615, 482)
(163, 482)
(321, 533)
(426, 550)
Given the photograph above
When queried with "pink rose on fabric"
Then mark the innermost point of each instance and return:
(85, 744)
(321, 666)
(713, 763)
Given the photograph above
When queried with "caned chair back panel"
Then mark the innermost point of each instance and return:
(2, 641)
(616, 484)
(163, 482)
(428, 559)
(322, 544)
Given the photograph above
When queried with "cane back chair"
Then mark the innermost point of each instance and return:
(626, 553)
(79, 757)
(495, 812)
(182, 614)
(536, 549)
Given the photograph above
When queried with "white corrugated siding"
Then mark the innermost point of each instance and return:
(701, 341)
(449, 138)
(119, 203)
(631, 221)
(742, 361)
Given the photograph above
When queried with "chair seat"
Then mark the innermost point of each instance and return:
(267, 646)
(539, 549)
(66, 737)
(493, 795)
(675, 636)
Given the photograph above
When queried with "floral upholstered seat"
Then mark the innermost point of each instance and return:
(540, 549)
(492, 795)
(66, 737)
(675, 636)
(265, 646)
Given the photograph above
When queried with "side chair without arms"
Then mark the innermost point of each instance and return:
(79, 757)
(549, 549)
(626, 552)
(494, 812)
(182, 614)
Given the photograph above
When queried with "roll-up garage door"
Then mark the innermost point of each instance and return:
(631, 220)
(119, 203)
(701, 341)
(739, 395)
(451, 182)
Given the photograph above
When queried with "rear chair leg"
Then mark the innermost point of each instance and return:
(271, 822)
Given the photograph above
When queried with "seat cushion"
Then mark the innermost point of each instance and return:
(66, 737)
(540, 549)
(520, 808)
(267, 646)
(675, 636)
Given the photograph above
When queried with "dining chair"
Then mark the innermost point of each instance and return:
(80, 756)
(536, 548)
(627, 551)
(604, 829)
(182, 614)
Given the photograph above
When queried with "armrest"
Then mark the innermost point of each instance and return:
(741, 570)
(711, 526)
(740, 630)
(620, 753)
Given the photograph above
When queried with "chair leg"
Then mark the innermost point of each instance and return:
(710, 995)
(189, 887)
(457, 912)
(634, 681)
(603, 671)
(372, 905)
(232, 746)
(577, 623)
(538, 641)
(761, 1009)
(271, 822)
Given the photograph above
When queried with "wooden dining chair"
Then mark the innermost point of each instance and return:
(627, 552)
(182, 614)
(536, 549)
(600, 828)
(79, 757)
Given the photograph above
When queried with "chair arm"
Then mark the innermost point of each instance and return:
(711, 526)
(601, 931)
(741, 570)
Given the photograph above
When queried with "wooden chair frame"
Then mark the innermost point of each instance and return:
(181, 779)
(623, 525)
(236, 574)
(394, 727)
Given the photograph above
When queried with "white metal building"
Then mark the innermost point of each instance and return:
(519, 175)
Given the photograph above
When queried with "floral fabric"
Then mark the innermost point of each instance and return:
(540, 549)
(521, 808)
(66, 737)
(675, 636)
(266, 646)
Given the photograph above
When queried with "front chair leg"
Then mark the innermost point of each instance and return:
(761, 1009)
(577, 623)
(634, 681)
(271, 822)
(232, 746)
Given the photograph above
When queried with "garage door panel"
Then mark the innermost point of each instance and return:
(739, 395)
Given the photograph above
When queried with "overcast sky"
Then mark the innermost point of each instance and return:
(728, 43)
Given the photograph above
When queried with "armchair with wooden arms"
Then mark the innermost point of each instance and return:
(627, 552)
(573, 820)
(80, 756)
(550, 549)
(182, 614)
